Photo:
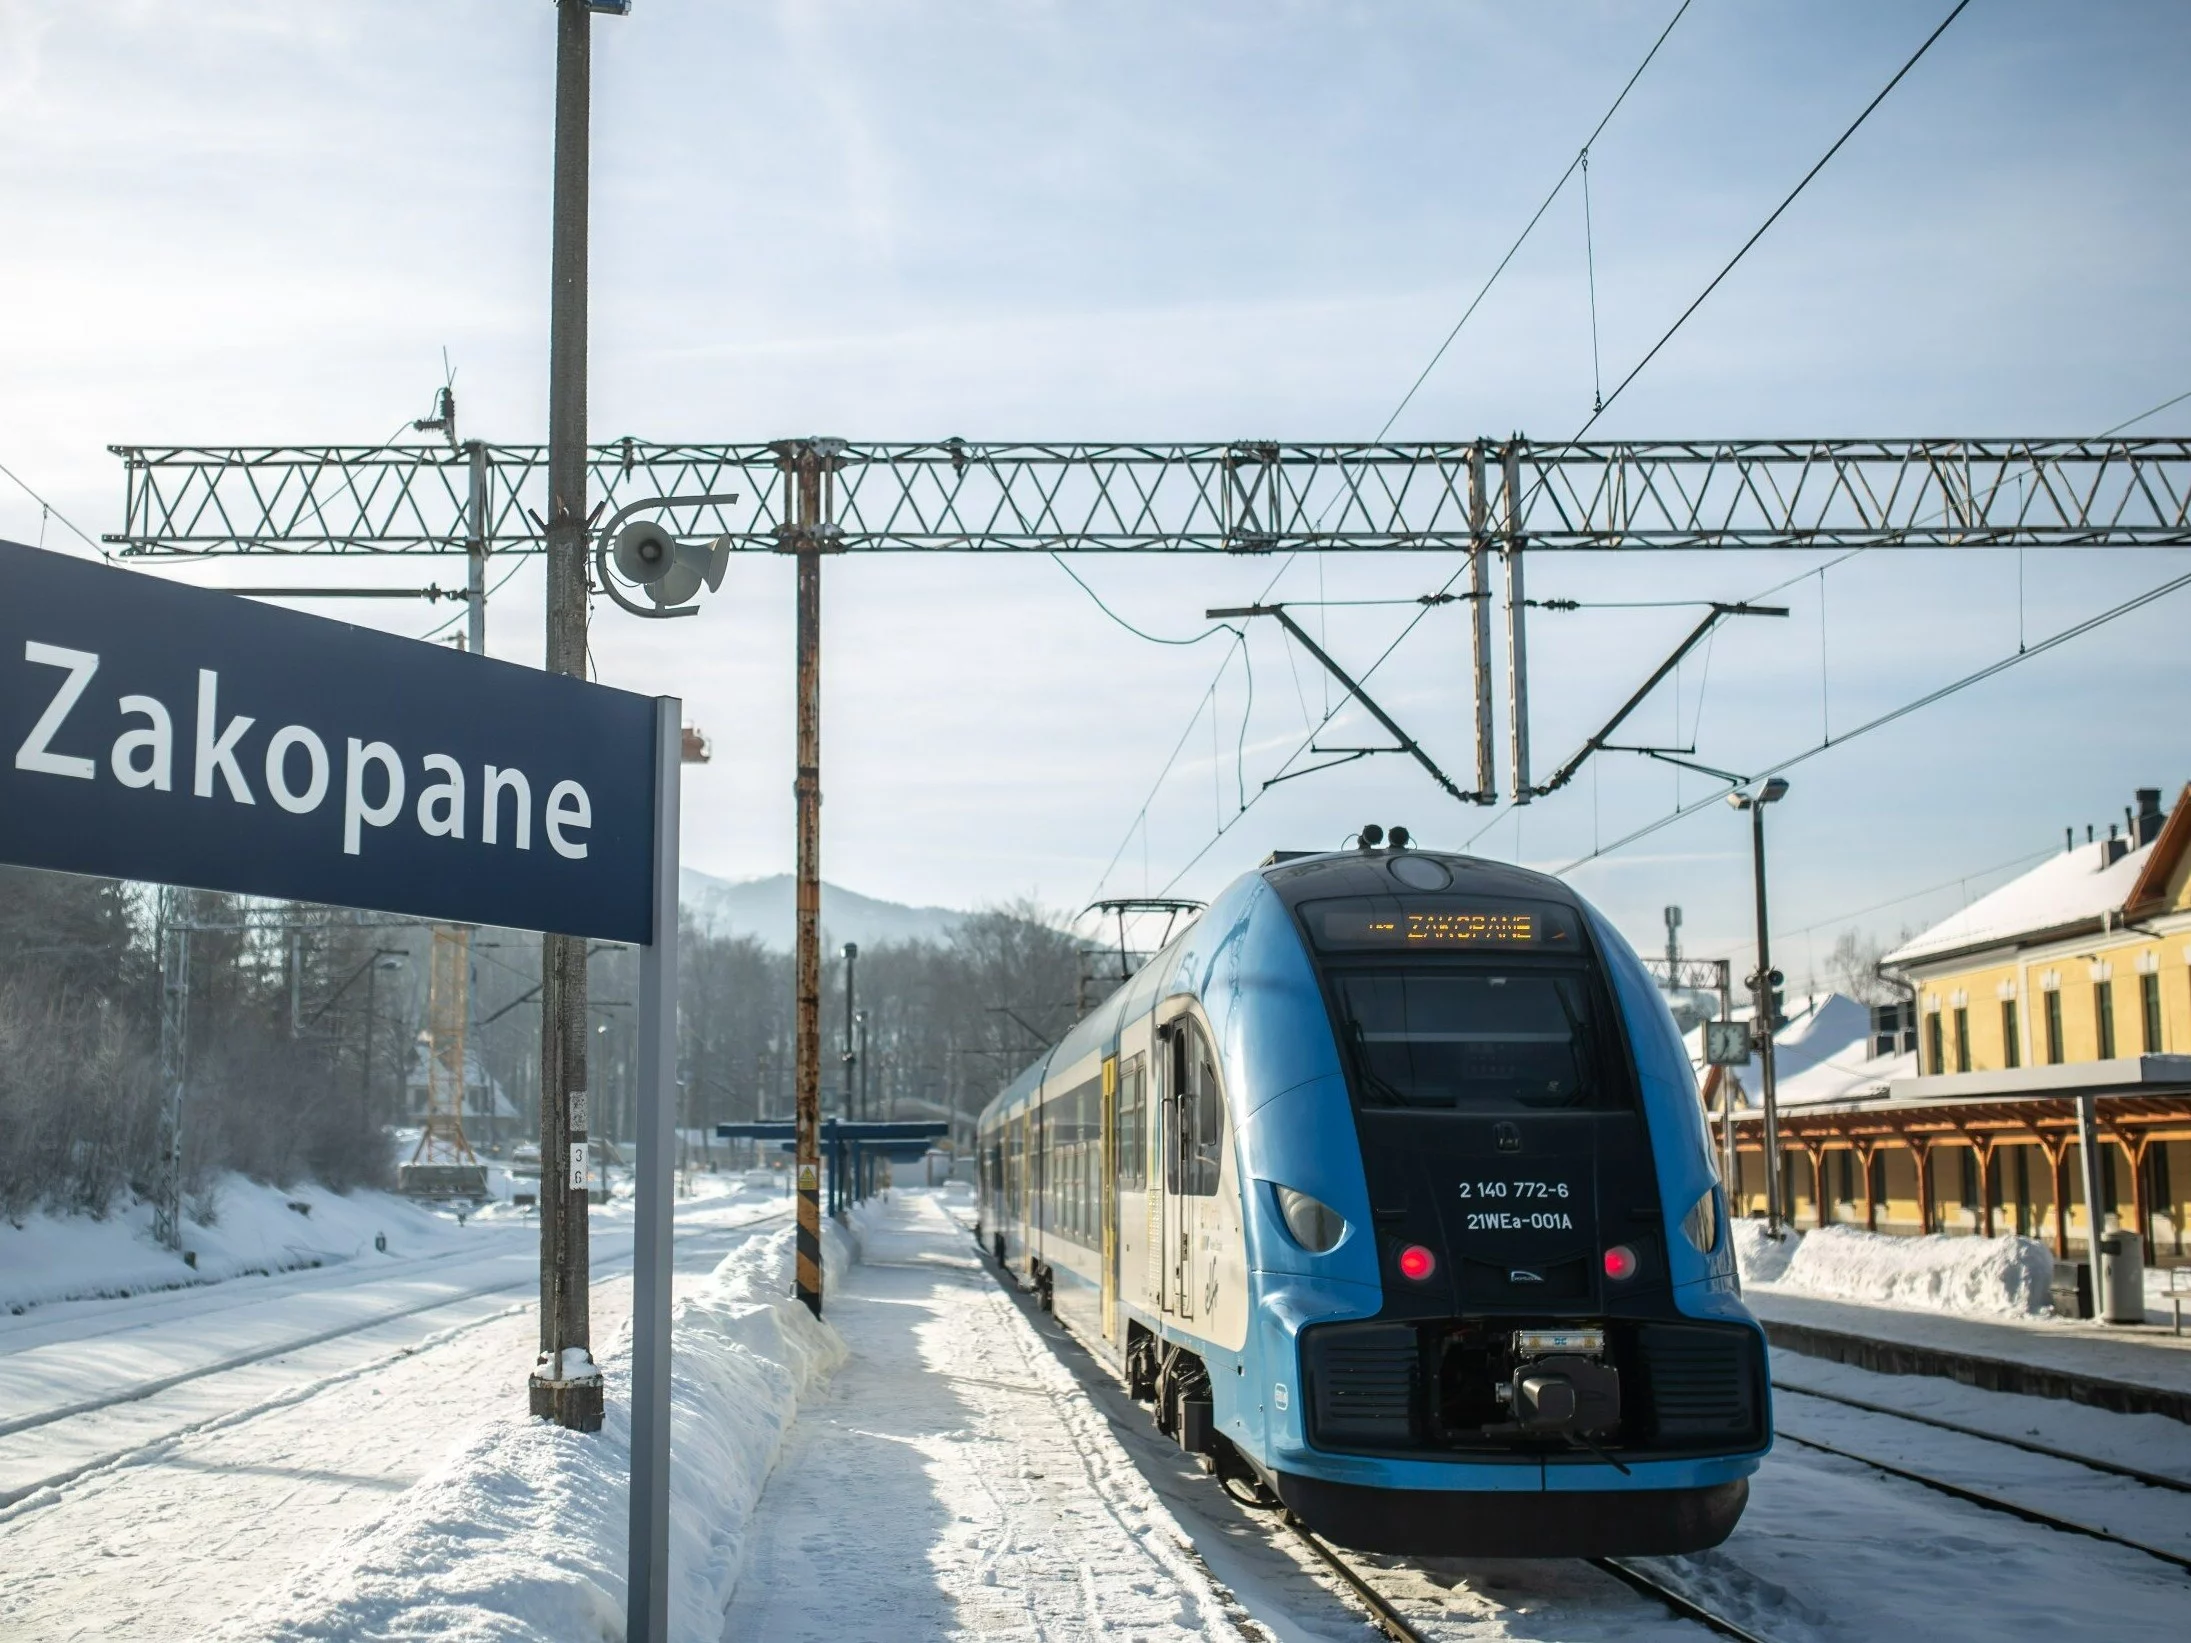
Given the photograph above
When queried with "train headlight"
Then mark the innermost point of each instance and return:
(1701, 1225)
(1315, 1225)
(1620, 1263)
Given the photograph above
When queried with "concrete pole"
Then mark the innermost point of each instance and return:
(1517, 634)
(1479, 621)
(565, 1386)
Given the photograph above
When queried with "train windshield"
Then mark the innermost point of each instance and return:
(1478, 1039)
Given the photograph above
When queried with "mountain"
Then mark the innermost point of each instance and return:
(764, 907)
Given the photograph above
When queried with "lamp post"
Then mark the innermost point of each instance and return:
(1763, 982)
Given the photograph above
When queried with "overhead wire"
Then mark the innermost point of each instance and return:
(1763, 228)
(2075, 631)
(1483, 291)
(1580, 159)
(1153, 638)
(23, 485)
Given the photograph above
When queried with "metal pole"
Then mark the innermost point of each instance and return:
(806, 480)
(851, 1057)
(1479, 627)
(475, 549)
(1517, 632)
(2088, 1149)
(1762, 1026)
(646, 1618)
(1730, 1162)
(566, 1388)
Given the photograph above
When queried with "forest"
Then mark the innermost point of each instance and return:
(300, 1040)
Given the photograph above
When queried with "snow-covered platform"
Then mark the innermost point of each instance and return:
(953, 1480)
(2136, 1370)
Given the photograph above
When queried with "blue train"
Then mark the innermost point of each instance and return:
(1387, 1184)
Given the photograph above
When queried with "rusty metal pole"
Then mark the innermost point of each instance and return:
(565, 1385)
(805, 463)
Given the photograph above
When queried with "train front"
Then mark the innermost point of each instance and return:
(1486, 1236)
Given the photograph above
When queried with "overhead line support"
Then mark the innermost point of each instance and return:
(1407, 743)
(1598, 743)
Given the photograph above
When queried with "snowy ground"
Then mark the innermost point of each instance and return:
(952, 1482)
(165, 1457)
(970, 1472)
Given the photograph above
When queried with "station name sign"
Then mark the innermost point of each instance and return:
(154, 731)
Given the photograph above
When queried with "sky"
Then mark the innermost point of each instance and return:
(254, 221)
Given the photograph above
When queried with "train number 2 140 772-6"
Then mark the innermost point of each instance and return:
(1523, 1191)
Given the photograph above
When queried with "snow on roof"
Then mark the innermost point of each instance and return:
(1828, 1044)
(1838, 1023)
(1854, 1071)
(2064, 889)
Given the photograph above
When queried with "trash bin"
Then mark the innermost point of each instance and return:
(2122, 1278)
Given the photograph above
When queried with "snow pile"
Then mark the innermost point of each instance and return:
(47, 1258)
(1759, 1258)
(521, 1535)
(1992, 1277)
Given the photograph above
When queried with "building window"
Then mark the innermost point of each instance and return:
(2054, 1029)
(1847, 1168)
(2012, 1048)
(1962, 1039)
(1934, 1057)
(2149, 1008)
(2103, 1017)
(1969, 1156)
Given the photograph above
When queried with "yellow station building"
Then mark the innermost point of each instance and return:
(2074, 979)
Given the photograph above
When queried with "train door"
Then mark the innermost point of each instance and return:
(1107, 1199)
(1181, 1114)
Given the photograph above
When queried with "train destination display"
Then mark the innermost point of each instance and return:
(1370, 923)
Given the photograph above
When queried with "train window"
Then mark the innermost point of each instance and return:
(1133, 1125)
(1195, 1129)
(1476, 1040)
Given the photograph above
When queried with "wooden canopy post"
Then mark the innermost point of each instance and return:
(1983, 1146)
(1866, 1151)
(1921, 1152)
(2134, 1148)
(2057, 1157)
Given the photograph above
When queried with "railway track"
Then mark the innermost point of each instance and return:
(2152, 1480)
(142, 1390)
(1395, 1625)
(1986, 1499)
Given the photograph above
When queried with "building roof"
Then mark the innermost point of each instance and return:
(2063, 893)
(1822, 1054)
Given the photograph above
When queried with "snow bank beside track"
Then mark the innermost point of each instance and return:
(521, 1536)
(46, 1258)
(1984, 1277)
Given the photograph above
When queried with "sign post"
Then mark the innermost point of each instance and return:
(654, 1184)
(182, 736)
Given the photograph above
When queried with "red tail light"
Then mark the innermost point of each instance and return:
(1417, 1262)
(1620, 1262)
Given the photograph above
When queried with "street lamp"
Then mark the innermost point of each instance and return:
(1764, 983)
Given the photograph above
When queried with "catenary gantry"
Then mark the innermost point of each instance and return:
(1241, 497)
